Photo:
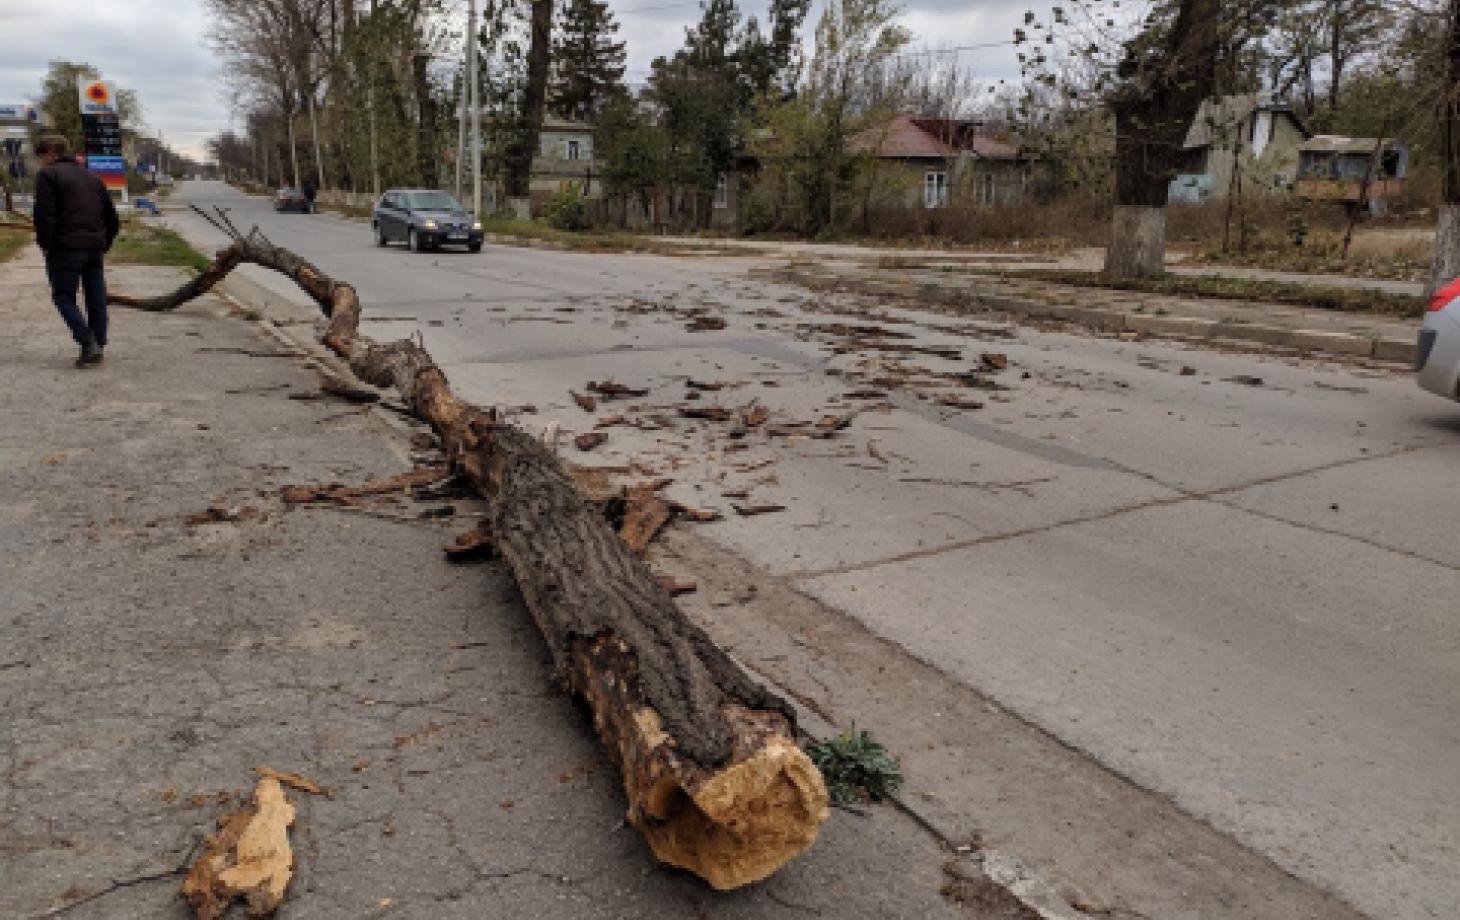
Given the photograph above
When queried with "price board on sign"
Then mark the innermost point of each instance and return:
(103, 134)
(101, 125)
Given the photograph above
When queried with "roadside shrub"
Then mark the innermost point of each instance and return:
(568, 209)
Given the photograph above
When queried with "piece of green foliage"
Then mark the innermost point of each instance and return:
(856, 767)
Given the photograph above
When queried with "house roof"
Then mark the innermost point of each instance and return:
(554, 123)
(912, 137)
(1222, 116)
(1337, 143)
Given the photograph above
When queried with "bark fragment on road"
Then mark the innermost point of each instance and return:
(249, 857)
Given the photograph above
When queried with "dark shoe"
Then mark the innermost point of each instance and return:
(90, 355)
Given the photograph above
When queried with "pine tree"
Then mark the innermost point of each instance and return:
(589, 62)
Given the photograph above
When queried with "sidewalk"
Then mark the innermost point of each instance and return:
(153, 654)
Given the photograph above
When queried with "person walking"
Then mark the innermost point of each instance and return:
(75, 226)
(311, 191)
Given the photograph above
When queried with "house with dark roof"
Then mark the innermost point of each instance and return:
(1255, 131)
(935, 162)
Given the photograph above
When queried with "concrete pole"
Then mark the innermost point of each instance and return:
(461, 110)
(474, 75)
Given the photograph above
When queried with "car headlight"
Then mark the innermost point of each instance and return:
(428, 225)
(476, 225)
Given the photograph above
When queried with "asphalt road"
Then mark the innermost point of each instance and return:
(1232, 578)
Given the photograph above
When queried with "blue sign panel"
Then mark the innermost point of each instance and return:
(99, 163)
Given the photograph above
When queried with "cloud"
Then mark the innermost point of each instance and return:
(156, 47)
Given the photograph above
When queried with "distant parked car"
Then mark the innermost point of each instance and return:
(1437, 362)
(290, 199)
(424, 219)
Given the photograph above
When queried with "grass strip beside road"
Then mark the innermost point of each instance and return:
(14, 239)
(1325, 297)
(146, 244)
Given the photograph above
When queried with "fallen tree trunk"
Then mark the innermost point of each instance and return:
(714, 779)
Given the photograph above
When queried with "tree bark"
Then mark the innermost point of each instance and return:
(1446, 265)
(1137, 242)
(293, 151)
(1161, 91)
(714, 779)
(426, 151)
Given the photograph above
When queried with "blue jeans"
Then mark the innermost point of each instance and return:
(68, 269)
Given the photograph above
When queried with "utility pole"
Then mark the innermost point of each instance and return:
(462, 102)
(473, 74)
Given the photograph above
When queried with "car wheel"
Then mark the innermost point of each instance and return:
(473, 247)
(413, 242)
(380, 239)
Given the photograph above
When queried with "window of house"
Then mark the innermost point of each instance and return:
(935, 189)
(986, 190)
(574, 150)
(722, 191)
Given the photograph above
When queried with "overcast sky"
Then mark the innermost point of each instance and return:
(159, 48)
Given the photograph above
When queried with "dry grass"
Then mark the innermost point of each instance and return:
(1346, 300)
(1373, 255)
(13, 240)
(1043, 228)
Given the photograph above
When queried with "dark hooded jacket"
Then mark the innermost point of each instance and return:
(73, 209)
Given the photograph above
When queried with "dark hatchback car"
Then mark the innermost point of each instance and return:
(424, 219)
(291, 199)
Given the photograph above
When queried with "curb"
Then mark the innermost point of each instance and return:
(1183, 328)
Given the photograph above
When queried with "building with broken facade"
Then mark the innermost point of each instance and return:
(1252, 138)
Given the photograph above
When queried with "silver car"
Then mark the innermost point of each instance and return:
(1438, 360)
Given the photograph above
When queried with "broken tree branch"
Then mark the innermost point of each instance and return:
(713, 776)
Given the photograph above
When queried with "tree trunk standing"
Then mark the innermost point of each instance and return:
(1234, 195)
(1447, 231)
(1159, 96)
(426, 153)
(293, 149)
(319, 176)
(534, 102)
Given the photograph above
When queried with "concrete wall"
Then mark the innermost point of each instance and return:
(553, 143)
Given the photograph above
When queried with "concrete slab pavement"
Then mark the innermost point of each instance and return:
(1084, 410)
